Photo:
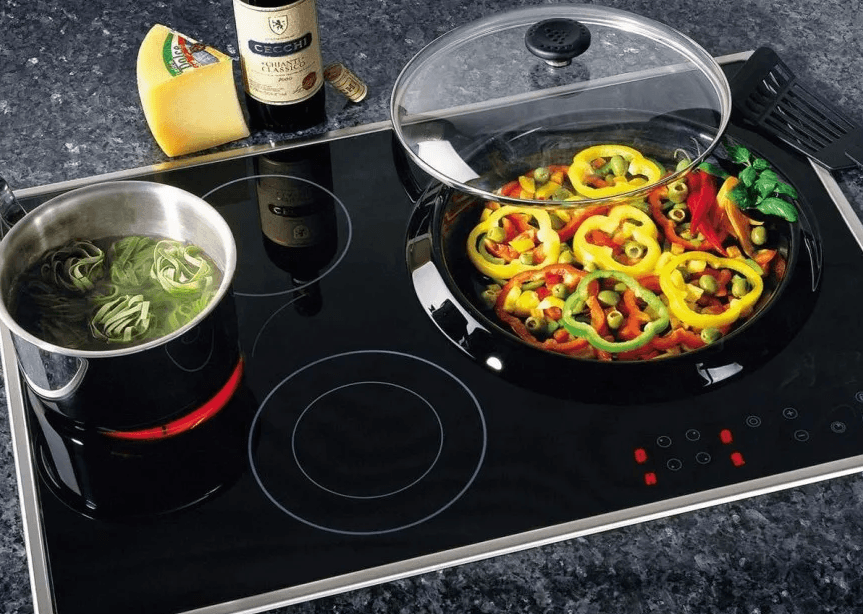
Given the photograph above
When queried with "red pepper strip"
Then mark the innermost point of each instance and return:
(657, 345)
(569, 276)
(701, 202)
(511, 188)
(668, 227)
(651, 282)
(594, 181)
(597, 237)
(635, 317)
(521, 221)
(576, 217)
(501, 250)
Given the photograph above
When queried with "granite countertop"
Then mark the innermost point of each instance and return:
(69, 109)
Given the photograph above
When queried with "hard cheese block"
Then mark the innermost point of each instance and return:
(187, 92)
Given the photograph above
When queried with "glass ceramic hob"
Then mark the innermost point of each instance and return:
(363, 444)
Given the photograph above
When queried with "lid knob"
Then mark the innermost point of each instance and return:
(557, 40)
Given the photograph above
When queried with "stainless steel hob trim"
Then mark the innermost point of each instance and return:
(29, 498)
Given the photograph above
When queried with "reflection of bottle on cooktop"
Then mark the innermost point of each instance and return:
(298, 218)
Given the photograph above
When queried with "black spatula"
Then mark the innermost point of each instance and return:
(767, 94)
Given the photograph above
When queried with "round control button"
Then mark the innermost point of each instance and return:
(663, 441)
(693, 435)
(675, 464)
(703, 458)
(789, 413)
(838, 426)
(801, 435)
(859, 396)
(753, 421)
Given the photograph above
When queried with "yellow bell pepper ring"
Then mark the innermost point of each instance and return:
(677, 294)
(499, 268)
(638, 168)
(624, 222)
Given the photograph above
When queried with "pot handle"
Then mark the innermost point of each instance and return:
(11, 211)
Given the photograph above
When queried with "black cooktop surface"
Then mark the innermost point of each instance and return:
(362, 436)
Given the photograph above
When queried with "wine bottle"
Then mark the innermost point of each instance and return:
(298, 217)
(281, 63)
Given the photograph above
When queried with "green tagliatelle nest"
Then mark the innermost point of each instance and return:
(135, 289)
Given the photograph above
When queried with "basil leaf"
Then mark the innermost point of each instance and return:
(748, 176)
(741, 196)
(779, 207)
(739, 154)
(713, 169)
(760, 164)
(787, 190)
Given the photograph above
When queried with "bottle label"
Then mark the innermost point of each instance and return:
(181, 54)
(279, 51)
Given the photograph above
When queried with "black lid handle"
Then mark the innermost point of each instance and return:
(557, 40)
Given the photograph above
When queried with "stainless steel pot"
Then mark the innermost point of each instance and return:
(131, 387)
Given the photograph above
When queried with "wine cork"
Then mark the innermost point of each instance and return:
(346, 81)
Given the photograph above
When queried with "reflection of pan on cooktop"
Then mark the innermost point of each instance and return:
(367, 442)
(447, 217)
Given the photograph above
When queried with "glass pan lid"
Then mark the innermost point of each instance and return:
(476, 107)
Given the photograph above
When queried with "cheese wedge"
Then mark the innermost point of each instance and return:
(187, 93)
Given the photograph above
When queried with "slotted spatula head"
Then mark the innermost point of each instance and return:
(766, 93)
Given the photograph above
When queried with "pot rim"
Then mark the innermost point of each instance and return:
(684, 45)
(209, 214)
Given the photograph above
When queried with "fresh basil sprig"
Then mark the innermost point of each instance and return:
(759, 186)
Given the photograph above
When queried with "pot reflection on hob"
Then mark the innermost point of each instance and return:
(367, 442)
(156, 469)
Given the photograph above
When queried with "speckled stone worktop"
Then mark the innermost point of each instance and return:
(69, 109)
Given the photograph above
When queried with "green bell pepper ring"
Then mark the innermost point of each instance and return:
(575, 304)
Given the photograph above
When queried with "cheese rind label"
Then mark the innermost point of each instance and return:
(181, 54)
(188, 93)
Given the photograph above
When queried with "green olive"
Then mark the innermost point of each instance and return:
(534, 324)
(634, 249)
(677, 214)
(620, 288)
(710, 335)
(708, 284)
(526, 258)
(559, 291)
(496, 234)
(739, 286)
(551, 325)
(677, 192)
(541, 174)
(614, 319)
(562, 194)
(566, 257)
(489, 296)
(608, 297)
(758, 235)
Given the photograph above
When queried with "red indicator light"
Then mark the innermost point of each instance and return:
(650, 479)
(640, 455)
(725, 436)
(737, 459)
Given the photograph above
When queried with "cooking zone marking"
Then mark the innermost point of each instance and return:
(305, 482)
(326, 271)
